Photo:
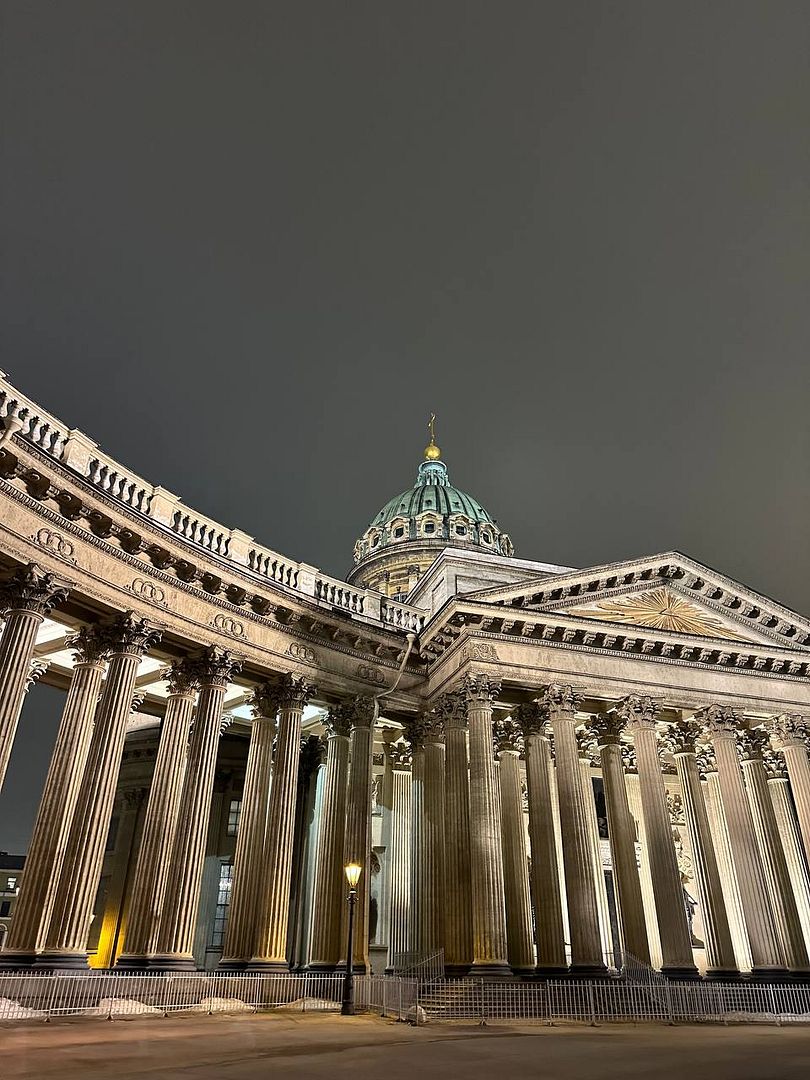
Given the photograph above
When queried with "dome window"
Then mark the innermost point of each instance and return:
(430, 527)
(399, 531)
(461, 530)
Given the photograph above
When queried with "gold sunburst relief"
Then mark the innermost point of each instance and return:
(659, 608)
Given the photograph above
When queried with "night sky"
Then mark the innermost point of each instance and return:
(248, 247)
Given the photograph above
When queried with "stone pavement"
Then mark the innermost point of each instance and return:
(311, 1046)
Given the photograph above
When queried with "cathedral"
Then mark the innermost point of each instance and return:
(539, 770)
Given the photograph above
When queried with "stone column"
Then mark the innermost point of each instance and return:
(46, 853)
(427, 835)
(175, 940)
(720, 959)
(293, 692)
(519, 937)
(766, 952)
(750, 744)
(26, 598)
(242, 929)
(400, 877)
(639, 714)
(779, 789)
(710, 782)
(458, 886)
(160, 822)
(584, 745)
(545, 873)
(66, 943)
(789, 732)
(580, 881)
(645, 877)
(358, 825)
(486, 857)
(607, 729)
(330, 894)
(386, 804)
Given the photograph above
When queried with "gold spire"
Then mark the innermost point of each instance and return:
(432, 452)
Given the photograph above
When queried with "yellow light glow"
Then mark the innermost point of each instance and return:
(353, 872)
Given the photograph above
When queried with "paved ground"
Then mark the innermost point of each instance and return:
(297, 1047)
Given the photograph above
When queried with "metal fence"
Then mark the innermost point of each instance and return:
(112, 994)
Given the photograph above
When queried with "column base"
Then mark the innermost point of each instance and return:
(454, 971)
(551, 972)
(232, 964)
(268, 967)
(687, 972)
(320, 967)
(769, 975)
(62, 961)
(490, 971)
(588, 971)
(18, 960)
(172, 963)
(132, 963)
(722, 974)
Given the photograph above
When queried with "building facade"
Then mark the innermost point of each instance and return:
(541, 770)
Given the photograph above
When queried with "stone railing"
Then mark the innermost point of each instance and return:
(25, 419)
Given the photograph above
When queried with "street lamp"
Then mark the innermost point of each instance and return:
(352, 872)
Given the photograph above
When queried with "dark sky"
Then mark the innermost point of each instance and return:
(249, 246)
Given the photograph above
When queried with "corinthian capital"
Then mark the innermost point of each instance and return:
(606, 728)
(560, 701)
(638, 710)
(90, 644)
(789, 729)
(337, 720)
(450, 709)
(361, 711)
(750, 744)
(507, 737)
(130, 635)
(681, 738)
(719, 721)
(532, 718)
(181, 677)
(36, 669)
(481, 691)
(216, 666)
(32, 589)
(281, 692)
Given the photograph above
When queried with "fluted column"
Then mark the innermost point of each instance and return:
(386, 803)
(639, 714)
(458, 886)
(766, 952)
(789, 732)
(519, 937)
(241, 931)
(779, 788)
(750, 744)
(43, 864)
(580, 881)
(720, 959)
(160, 820)
(607, 729)
(424, 735)
(358, 824)
(26, 598)
(400, 889)
(486, 856)
(545, 873)
(329, 898)
(707, 767)
(293, 694)
(66, 942)
(175, 939)
(585, 745)
(633, 789)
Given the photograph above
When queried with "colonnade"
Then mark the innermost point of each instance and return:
(469, 873)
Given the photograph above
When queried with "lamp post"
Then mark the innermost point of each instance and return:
(353, 872)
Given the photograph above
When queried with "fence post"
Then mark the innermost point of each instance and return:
(777, 1019)
(590, 1003)
(669, 1003)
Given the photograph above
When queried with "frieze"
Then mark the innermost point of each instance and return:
(229, 625)
(371, 674)
(149, 591)
(56, 544)
(301, 652)
(479, 650)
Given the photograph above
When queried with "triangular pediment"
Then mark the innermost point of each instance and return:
(669, 592)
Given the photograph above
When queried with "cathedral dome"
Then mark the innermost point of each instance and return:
(412, 528)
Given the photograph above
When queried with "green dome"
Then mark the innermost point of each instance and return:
(432, 491)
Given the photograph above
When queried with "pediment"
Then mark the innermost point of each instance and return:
(669, 592)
